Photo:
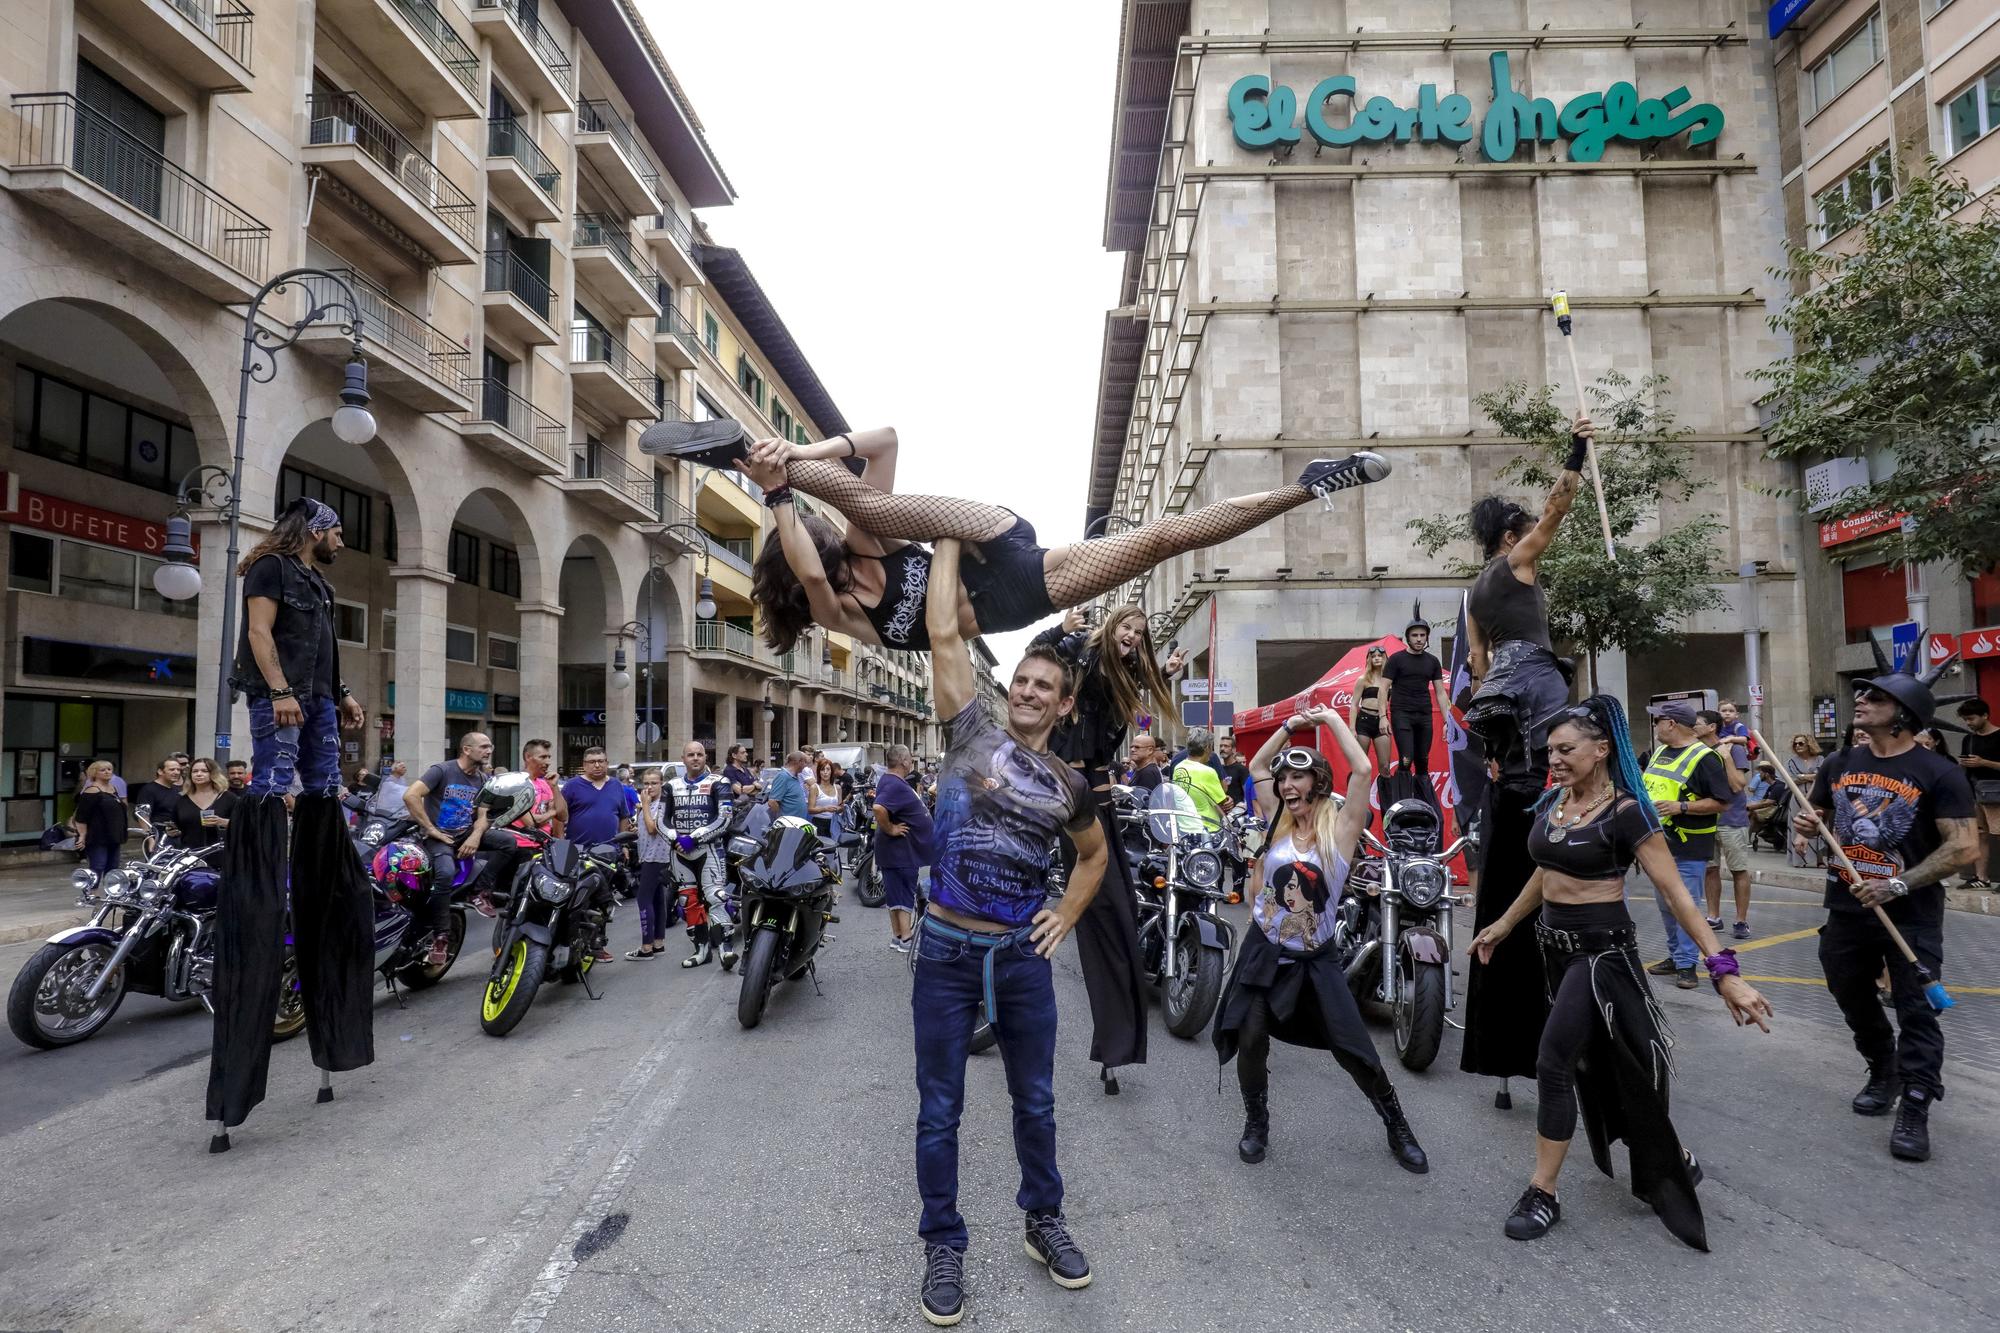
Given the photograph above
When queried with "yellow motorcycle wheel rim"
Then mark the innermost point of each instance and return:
(584, 963)
(501, 993)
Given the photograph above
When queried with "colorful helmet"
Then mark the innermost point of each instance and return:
(401, 865)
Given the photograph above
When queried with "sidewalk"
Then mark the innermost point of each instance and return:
(36, 900)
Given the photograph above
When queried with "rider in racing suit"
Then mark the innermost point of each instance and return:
(696, 801)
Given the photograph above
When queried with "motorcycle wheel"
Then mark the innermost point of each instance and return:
(868, 889)
(509, 993)
(984, 1038)
(46, 1008)
(291, 1017)
(422, 976)
(758, 965)
(1191, 994)
(1419, 1013)
(576, 971)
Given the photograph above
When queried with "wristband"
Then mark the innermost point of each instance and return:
(346, 693)
(1579, 450)
(1720, 965)
(285, 693)
(781, 495)
(851, 450)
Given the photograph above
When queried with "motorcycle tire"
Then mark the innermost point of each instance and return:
(984, 1038)
(868, 887)
(508, 995)
(1419, 1014)
(758, 964)
(26, 1019)
(1189, 1005)
(422, 976)
(291, 1016)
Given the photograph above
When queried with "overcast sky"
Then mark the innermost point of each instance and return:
(920, 191)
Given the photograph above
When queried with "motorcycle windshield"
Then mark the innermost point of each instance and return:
(786, 861)
(1175, 812)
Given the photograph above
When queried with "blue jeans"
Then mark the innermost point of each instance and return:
(945, 1002)
(1679, 946)
(102, 856)
(312, 750)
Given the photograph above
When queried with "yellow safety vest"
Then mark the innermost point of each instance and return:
(1667, 780)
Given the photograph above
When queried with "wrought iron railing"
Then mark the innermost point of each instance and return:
(609, 232)
(495, 403)
(673, 324)
(720, 549)
(508, 272)
(591, 342)
(227, 24)
(58, 130)
(591, 461)
(540, 40)
(443, 40)
(395, 326)
(676, 226)
(508, 137)
(668, 408)
(597, 116)
(347, 118)
(719, 636)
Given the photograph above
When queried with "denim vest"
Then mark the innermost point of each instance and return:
(305, 610)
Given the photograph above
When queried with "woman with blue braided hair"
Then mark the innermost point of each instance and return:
(1605, 1047)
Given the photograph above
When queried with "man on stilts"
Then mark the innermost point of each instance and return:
(288, 664)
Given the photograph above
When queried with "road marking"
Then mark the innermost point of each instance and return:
(1770, 940)
(1951, 986)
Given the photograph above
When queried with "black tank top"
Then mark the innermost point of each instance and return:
(1507, 608)
(899, 617)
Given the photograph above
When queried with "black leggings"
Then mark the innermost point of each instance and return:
(1413, 738)
(1253, 1053)
(1573, 1017)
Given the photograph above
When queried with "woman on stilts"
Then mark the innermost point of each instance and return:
(1605, 1046)
(870, 582)
(1115, 663)
(1519, 688)
(1287, 983)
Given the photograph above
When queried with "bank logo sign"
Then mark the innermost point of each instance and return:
(1263, 114)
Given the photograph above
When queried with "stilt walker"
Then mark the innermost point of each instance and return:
(288, 664)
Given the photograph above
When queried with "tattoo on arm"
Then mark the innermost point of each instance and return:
(1960, 845)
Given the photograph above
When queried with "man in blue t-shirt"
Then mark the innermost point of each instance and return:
(902, 840)
(787, 794)
(600, 808)
(986, 937)
(444, 802)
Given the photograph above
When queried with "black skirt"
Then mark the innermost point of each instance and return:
(1005, 582)
(1506, 1002)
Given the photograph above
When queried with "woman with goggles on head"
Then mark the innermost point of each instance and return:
(1591, 827)
(1287, 982)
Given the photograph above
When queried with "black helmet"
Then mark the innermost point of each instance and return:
(1912, 690)
(1417, 620)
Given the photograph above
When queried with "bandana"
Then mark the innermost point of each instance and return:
(319, 517)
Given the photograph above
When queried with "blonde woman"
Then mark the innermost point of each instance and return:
(99, 817)
(1364, 711)
(202, 814)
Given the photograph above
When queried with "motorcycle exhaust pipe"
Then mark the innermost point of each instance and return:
(1361, 959)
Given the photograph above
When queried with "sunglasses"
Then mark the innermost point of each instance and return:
(1298, 758)
(1869, 694)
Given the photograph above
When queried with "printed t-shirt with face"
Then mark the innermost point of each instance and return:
(1885, 817)
(1410, 675)
(449, 792)
(1314, 927)
(1000, 808)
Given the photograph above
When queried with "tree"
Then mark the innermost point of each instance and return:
(1639, 602)
(1897, 345)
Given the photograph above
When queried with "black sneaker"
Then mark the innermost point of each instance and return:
(944, 1285)
(1324, 476)
(1879, 1093)
(1910, 1140)
(1049, 1243)
(1664, 968)
(1533, 1215)
(718, 443)
(1685, 979)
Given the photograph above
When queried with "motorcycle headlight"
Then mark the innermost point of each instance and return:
(115, 884)
(1202, 870)
(549, 887)
(84, 881)
(1422, 883)
(742, 846)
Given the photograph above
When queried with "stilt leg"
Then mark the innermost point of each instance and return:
(325, 1086)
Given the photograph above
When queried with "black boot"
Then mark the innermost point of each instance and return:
(1878, 1094)
(1910, 1140)
(1256, 1126)
(1402, 1140)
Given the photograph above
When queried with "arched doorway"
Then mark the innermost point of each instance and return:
(493, 650)
(592, 710)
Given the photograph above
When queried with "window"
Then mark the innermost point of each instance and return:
(463, 561)
(748, 380)
(461, 644)
(73, 425)
(350, 623)
(705, 408)
(503, 652)
(504, 570)
(781, 419)
(82, 572)
(1839, 69)
(31, 563)
(711, 334)
(1974, 113)
(388, 644)
(799, 434)
(389, 552)
(356, 509)
(1855, 195)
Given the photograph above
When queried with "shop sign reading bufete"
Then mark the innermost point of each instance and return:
(1263, 114)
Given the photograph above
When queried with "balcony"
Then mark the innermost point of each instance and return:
(528, 53)
(720, 638)
(607, 377)
(410, 359)
(81, 165)
(514, 428)
(609, 264)
(604, 140)
(517, 300)
(671, 524)
(206, 42)
(519, 174)
(609, 484)
(351, 142)
(418, 50)
(674, 339)
(672, 239)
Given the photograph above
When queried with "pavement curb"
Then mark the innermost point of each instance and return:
(15, 932)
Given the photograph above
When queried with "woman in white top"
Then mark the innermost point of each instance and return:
(1287, 983)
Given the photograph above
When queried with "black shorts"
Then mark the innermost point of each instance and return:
(1005, 580)
(1367, 725)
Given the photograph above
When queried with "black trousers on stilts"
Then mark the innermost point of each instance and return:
(1506, 1000)
(1107, 947)
(249, 957)
(333, 926)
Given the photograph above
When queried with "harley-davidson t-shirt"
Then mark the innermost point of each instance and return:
(1885, 814)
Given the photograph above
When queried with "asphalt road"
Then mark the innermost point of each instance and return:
(640, 1161)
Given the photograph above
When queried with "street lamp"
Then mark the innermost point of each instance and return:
(1103, 521)
(178, 579)
(621, 678)
(704, 601)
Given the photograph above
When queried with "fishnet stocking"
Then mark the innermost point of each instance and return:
(915, 518)
(1090, 569)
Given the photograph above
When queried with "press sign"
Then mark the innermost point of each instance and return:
(1263, 114)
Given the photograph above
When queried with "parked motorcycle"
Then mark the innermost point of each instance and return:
(1394, 933)
(858, 841)
(786, 885)
(1183, 940)
(152, 931)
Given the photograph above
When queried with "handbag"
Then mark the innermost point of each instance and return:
(1986, 791)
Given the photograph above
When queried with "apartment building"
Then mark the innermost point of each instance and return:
(500, 192)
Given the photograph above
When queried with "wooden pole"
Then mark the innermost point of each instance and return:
(1561, 306)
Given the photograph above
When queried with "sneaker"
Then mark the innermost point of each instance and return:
(602, 955)
(1325, 476)
(1664, 968)
(899, 945)
(1533, 1215)
(944, 1285)
(1910, 1140)
(482, 903)
(440, 949)
(1685, 979)
(1741, 930)
(718, 443)
(1048, 1242)
(1878, 1095)
(1714, 922)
